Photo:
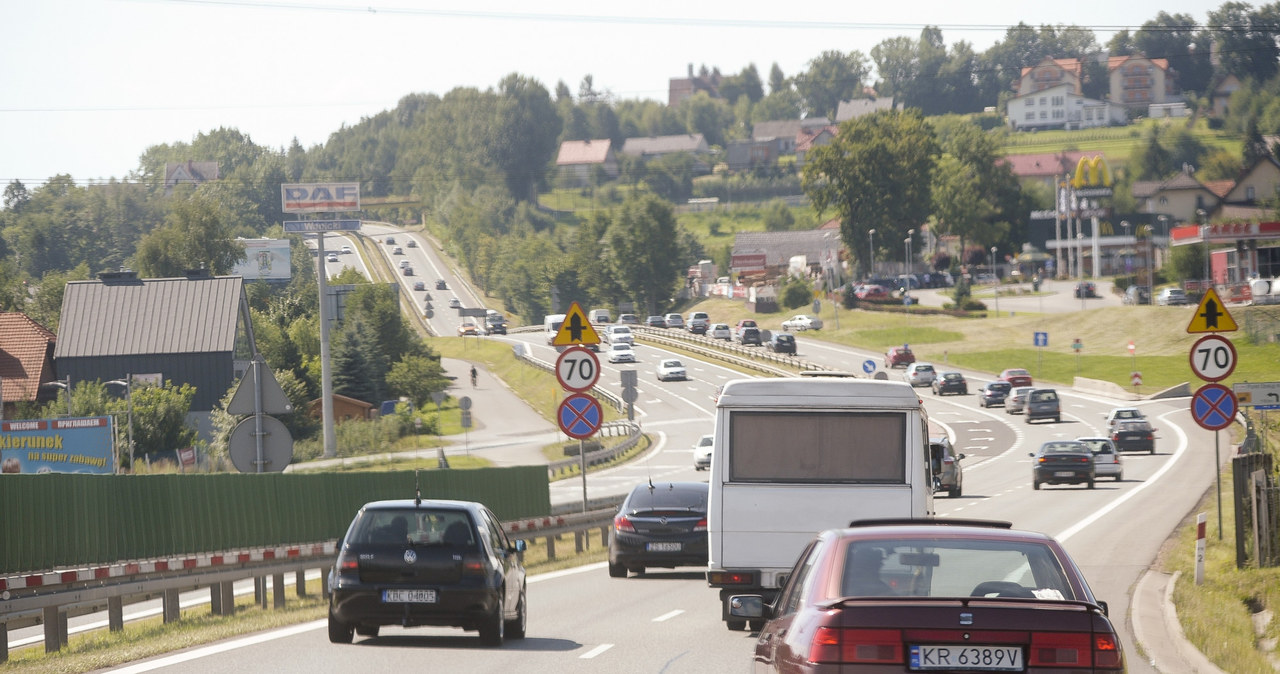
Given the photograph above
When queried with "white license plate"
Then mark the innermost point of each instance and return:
(674, 546)
(409, 596)
(974, 658)
(1064, 473)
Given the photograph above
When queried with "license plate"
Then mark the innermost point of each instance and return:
(673, 546)
(971, 658)
(1064, 473)
(409, 596)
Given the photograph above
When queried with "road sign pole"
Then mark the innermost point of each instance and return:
(1217, 466)
(582, 465)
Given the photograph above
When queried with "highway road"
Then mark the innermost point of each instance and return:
(668, 620)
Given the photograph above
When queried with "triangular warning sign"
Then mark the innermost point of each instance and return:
(274, 401)
(575, 329)
(1211, 315)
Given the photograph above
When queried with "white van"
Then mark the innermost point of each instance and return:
(599, 316)
(795, 456)
(551, 326)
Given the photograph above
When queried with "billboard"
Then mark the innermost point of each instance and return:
(265, 259)
(75, 445)
(320, 197)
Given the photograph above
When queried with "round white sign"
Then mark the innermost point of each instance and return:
(577, 369)
(1213, 358)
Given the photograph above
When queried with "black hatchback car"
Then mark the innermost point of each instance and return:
(660, 524)
(1062, 462)
(434, 562)
(782, 343)
(994, 393)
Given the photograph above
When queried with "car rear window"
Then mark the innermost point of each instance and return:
(1044, 396)
(419, 526)
(1000, 386)
(945, 567)
(668, 496)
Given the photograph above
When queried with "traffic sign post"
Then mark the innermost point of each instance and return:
(1135, 378)
(1213, 358)
(577, 369)
(1260, 395)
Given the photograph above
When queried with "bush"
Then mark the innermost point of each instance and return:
(796, 293)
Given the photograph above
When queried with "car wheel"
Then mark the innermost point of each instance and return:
(736, 625)
(1151, 451)
(756, 625)
(953, 493)
(491, 631)
(515, 628)
(617, 570)
(1091, 484)
(1035, 484)
(368, 631)
(338, 632)
(1119, 477)
(1057, 420)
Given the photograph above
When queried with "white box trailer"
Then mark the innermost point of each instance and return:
(795, 456)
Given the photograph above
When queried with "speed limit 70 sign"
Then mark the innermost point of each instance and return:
(577, 369)
(1213, 358)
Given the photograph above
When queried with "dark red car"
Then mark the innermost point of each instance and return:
(933, 594)
(899, 356)
(1016, 377)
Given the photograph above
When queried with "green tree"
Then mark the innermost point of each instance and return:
(354, 364)
(196, 235)
(1246, 39)
(746, 83)
(830, 78)
(796, 293)
(417, 377)
(160, 418)
(778, 217)
(1180, 39)
(526, 133)
(877, 173)
(777, 80)
(642, 248)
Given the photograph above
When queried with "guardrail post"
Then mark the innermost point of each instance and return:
(115, 614)
(55, 629)
(4, 642)
(215, 598)
(551, 547)
(277, 591)
(581, 540)
(228, 591)
(604, 533)
(260, 591)
(172, 611)
(300, 582)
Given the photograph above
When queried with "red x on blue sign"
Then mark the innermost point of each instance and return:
(1214, 407)
(580, 416)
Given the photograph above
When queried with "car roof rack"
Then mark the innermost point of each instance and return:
(948, 521)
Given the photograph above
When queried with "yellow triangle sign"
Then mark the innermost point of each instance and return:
(1211, 315)
(575, 329)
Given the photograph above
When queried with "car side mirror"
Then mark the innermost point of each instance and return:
(749, 606)
(1031, 453)
(1103, 605)
(959, 457)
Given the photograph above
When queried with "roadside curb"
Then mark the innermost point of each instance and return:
(1156, 629)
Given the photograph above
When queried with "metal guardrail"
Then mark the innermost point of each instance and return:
(757, 358)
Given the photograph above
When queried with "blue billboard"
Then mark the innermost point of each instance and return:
(76, 445)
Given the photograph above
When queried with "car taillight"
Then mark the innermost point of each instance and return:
(1075, 649)
(731, 578)
(1115, 437)
(473, 564)
(347, 563)
(621, 523)
(947, 461)
(701, 525)
(836, 645)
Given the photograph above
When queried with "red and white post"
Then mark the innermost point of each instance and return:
(1200, 519)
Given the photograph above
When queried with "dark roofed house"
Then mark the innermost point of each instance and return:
(656, 146)
(191, 330)
(189, 173)
(786, 130)
(26, 359)
(859, 107)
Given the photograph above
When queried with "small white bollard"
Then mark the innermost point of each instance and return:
(1200, 548)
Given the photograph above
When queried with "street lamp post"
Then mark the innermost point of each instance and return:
(64, 385)
(1125, 224)
(871, 248)
(1204, 236)
(997, 278)
(127, 383)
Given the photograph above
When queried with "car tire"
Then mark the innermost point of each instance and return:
(1119, 477)
(493, 628)
(338, 632)
(736, 625)
(1091, 484)
(1057, 419)
(1035, 485)
(617, 570)
(756, 625)
(953, 493)
(515, 628)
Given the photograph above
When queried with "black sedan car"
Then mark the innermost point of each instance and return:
(660, 524)
(933, 594)
(950, 382)
(1062, 462)
(427, 562)
(782, 343)
(1134, 436)
(994, 393)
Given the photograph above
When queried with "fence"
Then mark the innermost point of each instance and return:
(1257, 510)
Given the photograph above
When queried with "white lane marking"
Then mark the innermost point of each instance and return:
(221, 648)
(595, 651)
(668, 616)
(1182, 447)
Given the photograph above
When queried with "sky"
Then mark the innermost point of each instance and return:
(86, 86)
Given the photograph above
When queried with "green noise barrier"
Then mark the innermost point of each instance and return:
(62, 521)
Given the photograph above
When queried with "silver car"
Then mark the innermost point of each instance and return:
(702, 452)
(1106, 460)
(1016, 403)
(920, 374)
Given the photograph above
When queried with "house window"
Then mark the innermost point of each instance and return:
(1044, 114)
(1031, 116)
(1042, 100)
(1031, 102)
(1058, 100)
(1249, 193)
(1088, 113)
(1058, 114)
